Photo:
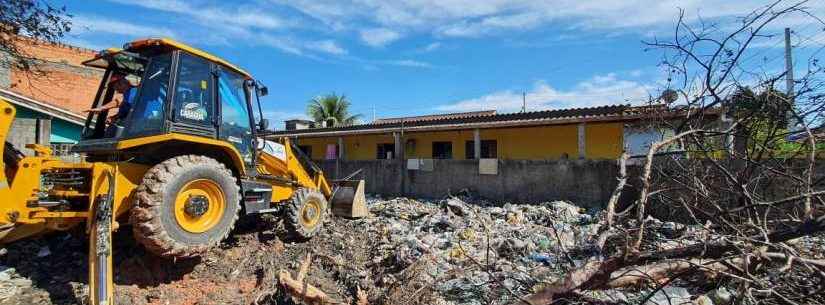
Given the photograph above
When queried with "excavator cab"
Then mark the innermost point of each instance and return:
(172, 89)
(183, 101)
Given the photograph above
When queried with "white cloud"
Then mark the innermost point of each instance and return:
(379, 37)
(298, 47)
(431, 47)
(636, 73)
(471, 18)
(523, 21)
(327, 46)
(374, 65)
(408, 63)
(213, 24)
(379, 23)
(88, 24)
(284, 44)
(596, 91)
(242, 16)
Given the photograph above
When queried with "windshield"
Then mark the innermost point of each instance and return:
(147, 109)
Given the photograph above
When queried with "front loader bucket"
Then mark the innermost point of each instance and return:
(348, 199)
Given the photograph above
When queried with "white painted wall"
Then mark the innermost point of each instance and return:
(638, 139)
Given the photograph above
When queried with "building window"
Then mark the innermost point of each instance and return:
(488, 149)
(306, 149)
(385, 151)
(442, 150)
(332, 152)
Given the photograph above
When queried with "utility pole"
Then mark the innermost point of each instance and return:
(523, 102)
(789, 85)
(373, 112)
(788, 64)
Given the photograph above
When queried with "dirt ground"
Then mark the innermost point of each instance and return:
(242, 269)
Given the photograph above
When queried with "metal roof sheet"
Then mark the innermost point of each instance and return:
(432, 117)
(469, 119)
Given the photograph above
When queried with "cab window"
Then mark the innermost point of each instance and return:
(193, 102)
(146, 115)
(235, 126)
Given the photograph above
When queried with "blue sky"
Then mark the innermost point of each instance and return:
(414, 57)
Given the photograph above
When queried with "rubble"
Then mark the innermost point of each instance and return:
(458, 250)
(670, 295)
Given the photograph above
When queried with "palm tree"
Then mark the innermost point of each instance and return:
(331, 110)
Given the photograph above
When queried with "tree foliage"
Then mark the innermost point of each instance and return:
(29, 18)
(331, 110)
(768, 105)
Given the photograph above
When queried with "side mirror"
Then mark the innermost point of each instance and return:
(263, 125)
(263, 91)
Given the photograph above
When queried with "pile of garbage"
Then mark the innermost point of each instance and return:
(477, 253)
(457, 250)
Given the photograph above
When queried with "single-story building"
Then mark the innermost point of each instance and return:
(577, 133)
(42, 123)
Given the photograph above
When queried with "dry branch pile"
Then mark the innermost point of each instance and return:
(741, 165)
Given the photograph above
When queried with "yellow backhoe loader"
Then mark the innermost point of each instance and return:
(180, 160)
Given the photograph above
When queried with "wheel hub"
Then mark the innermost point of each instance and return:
(199, 205)
(196, 206)
(309, 213)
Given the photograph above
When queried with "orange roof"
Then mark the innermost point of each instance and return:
(60, 80)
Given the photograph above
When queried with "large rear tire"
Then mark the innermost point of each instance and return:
(305, 213)
(184, 206)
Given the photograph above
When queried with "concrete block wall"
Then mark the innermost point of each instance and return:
(383, 176)
(587, 183)
(5, 72)
(23, 131)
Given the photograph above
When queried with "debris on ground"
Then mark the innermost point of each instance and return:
(457, 250)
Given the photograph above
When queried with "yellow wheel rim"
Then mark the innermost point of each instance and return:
(311, 213)
(199, 206)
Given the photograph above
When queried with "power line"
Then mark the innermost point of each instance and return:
(810, 38)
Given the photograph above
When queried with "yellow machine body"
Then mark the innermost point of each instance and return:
(21, 219)
(42, 193)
